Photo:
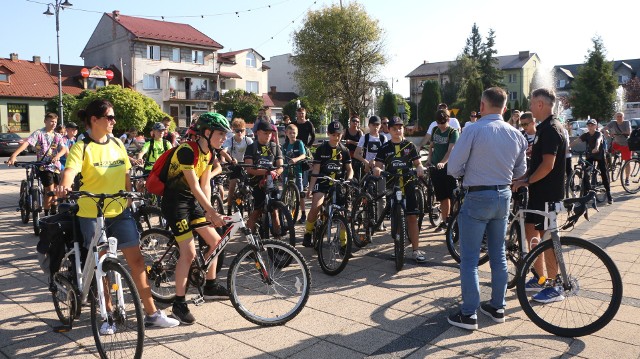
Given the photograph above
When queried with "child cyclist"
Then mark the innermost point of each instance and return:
(330, 159)
(294, 152)
(397, 156)
(186, 206)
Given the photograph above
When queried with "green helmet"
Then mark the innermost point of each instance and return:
(212, 121)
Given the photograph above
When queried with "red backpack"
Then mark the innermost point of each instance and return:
(158, 175)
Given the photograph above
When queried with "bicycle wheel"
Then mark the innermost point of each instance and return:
(263, 292)
(65, 299)
(433, 208)
(160, 253)
(148, 217)
(291, 199)
(287, 225)
(23, 202)
(513, 253)
(400, 235)
(121, 335)
(420, 201)
(361, 220)
(334, 250)
(574, 184)
(634, 176)
(591, 298)
(35, 209)
(614, 168)
(452, 237)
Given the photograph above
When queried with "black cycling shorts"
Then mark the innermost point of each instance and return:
(183, 214)
(411, 201)
(48, 178)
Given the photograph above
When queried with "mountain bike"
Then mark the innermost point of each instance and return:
(291, 195)
(585, 177)
(364, 210)
(269, 281)
(614, 163)
(634, 174)
(30, 202)
(98, 279)
(242, 196)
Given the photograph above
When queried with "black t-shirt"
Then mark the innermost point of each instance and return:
(264, 155)
(549, 140)
(356, 138)
(592, 141)
(397, 157)
(306, 133)
(332, 160)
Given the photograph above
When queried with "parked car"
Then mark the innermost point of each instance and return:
(9, 142)
(635, 123)
(578, 128)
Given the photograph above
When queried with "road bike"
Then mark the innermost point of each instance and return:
(30, 202)
(95, 277)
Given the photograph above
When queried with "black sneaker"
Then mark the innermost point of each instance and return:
(497, 315)
(469, 322)
(181, 312)
(302, 219)
(216, 291)
(307, 240)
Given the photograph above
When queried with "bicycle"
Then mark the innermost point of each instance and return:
(614, 163)
(30, 202)
(634, 175)
(101, 280)
(584, 177)
(364, 210)
(242, 196)
(291, 195)
(431, 204)
(269, 281)
(331, 232)
(588, 277)
(143, 211)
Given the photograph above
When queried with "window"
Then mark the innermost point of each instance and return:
(4, 77)
(175, 54)
(622, 79)
(513, 95)
(151, 82)
(18, 117)
(93, 83)
(223, 85)
(512, 78)
(153, 52)
(562, 83)
(197, 56)
(252, 86)
(251, 59)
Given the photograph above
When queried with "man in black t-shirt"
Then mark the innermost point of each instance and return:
(306, 133)
(594, 154)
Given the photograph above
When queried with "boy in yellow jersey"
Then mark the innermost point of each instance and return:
(398, 156)
(330, 159)
(186, 206)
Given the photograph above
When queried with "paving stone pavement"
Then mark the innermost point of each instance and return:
(369, 310)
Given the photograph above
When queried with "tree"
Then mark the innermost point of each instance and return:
(632, 90)
(490, 74)
(243, 104)
(314, 112)
(413, 111)
(472, 95)
(68, 105)
(525, 103)
(131, 108)
(428, 103)
(388, 105)
(404, 103)
(594, 88)
(450, 92)
(338, 52)
(473, 46)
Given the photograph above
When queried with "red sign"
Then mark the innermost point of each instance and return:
(84, 72)
(109, 75)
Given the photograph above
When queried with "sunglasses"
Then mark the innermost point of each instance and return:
(238, 131)
(473, 116)
(109, 117)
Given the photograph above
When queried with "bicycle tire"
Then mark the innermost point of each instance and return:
(452, 238)
(66, 301)
(433, 207)
(583, 260)
(333, 256)
(148, 217)
(287, 225)
(36, 224)
(420, 201)
(23, 202)
(615, 168)
(268, 303)
(127, 316)
(513, 254)
(634, 176)
(400, 237)
(154, 244)
(291, 198)
(361, 220)
(574, 184)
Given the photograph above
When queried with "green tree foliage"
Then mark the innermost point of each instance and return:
(338, 52)
(413, 111)
(243, 104)
(68, 105)
(490, 74)
(594, 88)
(473, 46)
(428, 103)
(403, 103)
(525, 103)
(450, 92)
(516, 106)
(472, 94)
(314, 111)
(131, 108)
(388, 105)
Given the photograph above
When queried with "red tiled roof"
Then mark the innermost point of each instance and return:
(71, 77)
(228, 56)
(28, 80)
(164, 31)
(229, 75)
(280, 99)
(267, 100)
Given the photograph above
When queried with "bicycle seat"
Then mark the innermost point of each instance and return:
(68, 207)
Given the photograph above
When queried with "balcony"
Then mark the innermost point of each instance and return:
(200, 95)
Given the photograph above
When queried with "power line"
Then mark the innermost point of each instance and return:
(287, 26)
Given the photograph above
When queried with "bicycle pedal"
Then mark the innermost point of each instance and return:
(198, 300)
(18, 209)
(62, 329)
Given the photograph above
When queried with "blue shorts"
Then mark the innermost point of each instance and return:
(123, 227)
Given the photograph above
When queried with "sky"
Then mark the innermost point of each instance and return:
(560, 32)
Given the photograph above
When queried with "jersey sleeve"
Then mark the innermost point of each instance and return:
(301, 148)
(317, 155)
(33, 138)
(413, 152)
(361, 141)
(250, 152)
(277, 154)
(455, 134)
(185, 156)
(346, 157)
(583, 137)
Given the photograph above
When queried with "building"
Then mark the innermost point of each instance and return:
(26, 86)
(276, 101)
(243, 69)
(624, 70)
(173, 63)
(518, 75)
(281, 73)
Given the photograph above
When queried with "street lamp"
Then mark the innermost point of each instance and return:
(57, 5)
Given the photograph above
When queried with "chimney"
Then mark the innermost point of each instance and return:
(13, 56)
(36, 60)
(116, 14)
(273, 90)
(523, 55)
(425, 62)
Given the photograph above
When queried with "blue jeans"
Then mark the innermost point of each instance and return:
(123, 227)
(483, 211)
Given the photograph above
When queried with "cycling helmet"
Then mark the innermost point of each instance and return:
(212, 121)
(192, 130)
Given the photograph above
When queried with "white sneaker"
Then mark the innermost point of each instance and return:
(107, 329)
(419, 257)
(159, 319)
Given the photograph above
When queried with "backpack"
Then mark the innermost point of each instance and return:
(166, 144)
(366, 143)
(634, 140)
(159, 172)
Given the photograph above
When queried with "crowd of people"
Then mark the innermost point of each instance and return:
(493, 156)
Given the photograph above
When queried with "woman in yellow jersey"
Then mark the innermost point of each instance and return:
(104, 165)
(186, 206)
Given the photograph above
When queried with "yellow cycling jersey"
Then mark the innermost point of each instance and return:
(181, 160)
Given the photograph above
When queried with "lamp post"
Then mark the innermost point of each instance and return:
(57, 5)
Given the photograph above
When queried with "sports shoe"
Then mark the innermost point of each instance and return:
(626, 182)
(609, 199)
(469, 322)
(302, 219)
(419, 257)
(549, 295)
(216, 291)
(441, 228)
(182, 314)
(107, 329)
(307, 240)
(532, 285)
(497, 315)
(159, 319)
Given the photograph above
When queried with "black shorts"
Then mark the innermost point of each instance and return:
(235, 172)
(48, 178)
(183, 214)
(259, 196)
(535, 204)
(411, 201)
(324, 186)
(443, 184)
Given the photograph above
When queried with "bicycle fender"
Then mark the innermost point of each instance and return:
(105, 259)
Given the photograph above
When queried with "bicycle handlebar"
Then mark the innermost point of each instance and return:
(121, 194)
(24, 164)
